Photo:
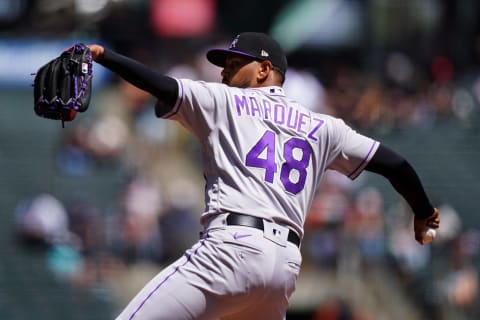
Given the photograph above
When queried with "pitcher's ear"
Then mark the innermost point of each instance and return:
(265, 68)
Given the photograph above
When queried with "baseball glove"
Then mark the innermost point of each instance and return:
(63, 86)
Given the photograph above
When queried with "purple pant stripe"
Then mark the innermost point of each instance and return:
(165, 280)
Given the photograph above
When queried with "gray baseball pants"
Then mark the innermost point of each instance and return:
(232, 272)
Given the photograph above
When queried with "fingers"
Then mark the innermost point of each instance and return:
(418, 237)
(434, 220)
(421, 225)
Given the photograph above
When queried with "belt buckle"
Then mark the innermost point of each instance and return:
(275, 233)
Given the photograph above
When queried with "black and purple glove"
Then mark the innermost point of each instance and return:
(63, 86)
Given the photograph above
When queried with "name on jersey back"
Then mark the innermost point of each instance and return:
(304, 123)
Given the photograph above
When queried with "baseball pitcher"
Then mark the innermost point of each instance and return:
(264, 155)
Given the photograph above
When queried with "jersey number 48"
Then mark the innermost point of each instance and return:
(295, 161)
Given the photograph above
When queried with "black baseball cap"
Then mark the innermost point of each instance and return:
(256, 45)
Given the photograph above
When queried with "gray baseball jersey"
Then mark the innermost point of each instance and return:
(264, 154)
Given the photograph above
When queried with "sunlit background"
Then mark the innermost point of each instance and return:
(89, 213)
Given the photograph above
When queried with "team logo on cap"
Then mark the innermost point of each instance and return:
(234, 42)
(264, 53)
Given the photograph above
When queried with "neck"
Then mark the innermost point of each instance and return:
(273, 79)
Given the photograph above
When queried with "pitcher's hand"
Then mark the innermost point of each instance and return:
(97, 51)
(420, 225)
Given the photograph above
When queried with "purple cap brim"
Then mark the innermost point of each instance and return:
(218, 56)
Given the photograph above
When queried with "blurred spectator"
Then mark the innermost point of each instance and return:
(344, 92)
(458, 284)
(370, 110)
(440, 97)
(179, 218)
(73, 158)
(325, 220)
(42, 220)
(366, 223)
(136, 237)
(106, 138)
(451, 225)
(87, 223)
(410, 258)
(65, 261)
(304, 87)
(87, 145)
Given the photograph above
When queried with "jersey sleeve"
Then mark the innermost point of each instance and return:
(354, 150)
(196, 107)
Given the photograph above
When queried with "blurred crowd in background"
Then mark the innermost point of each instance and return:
(382, 66)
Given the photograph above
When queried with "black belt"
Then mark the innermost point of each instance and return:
(254, 222)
